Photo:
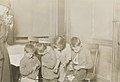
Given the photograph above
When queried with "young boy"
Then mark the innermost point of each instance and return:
(63, 53)
(33, 40)
(48, 60)
(29, 65)
(39, 55)
(81, 61)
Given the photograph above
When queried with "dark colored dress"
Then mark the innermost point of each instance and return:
(5, 68)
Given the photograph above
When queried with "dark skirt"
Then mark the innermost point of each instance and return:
(5, 67)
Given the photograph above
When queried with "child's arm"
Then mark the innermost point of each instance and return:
(38, 63)
(50, 60)
(37, 66)
(84, 61)
(24, 70)
(79, 67)
(56, 66)
(68, 54)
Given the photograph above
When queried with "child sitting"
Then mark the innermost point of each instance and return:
(48, 60)
(81, 61)
(29, 65)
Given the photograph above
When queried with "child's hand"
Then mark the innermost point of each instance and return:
(64, 64)
(70, 68)
(35, 67)
(75, 71)
(43, 63)
(55, 70)
(77, 67)
(70, 77)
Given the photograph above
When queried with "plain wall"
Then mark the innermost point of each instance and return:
(33, 17)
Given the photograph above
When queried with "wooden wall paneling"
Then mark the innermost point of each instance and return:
(53, 18)
(61, 15)
(81, 19)
(115, 53)
(103, 17)
(35, 17)
(41, 25)
(23, 17)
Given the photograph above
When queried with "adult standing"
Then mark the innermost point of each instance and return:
(5, 22)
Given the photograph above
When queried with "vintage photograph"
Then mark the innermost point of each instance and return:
(59, 40)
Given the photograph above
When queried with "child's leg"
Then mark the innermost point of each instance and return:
(25, 79)
(80, 75)
(49, 80)
(45, 80)
(62, 73)
(54, 80)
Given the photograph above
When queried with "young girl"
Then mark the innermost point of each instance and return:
(81, 61)
(48, 60)
(63, 53)
(29, 65)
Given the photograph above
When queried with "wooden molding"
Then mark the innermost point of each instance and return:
(102, 42)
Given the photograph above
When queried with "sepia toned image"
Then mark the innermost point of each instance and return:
(59, 40)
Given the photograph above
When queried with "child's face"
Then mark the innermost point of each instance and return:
(76, 48)
(41, 50)
(59, 47)
(29, 53)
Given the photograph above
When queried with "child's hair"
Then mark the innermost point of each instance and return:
(75, 41)
(59, 40)
(29, 46)
(41, 47)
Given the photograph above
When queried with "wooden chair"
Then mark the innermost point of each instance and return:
(94, 48)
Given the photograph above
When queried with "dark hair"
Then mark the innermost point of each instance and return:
(75, 41)
(29, 46)
(59, 40)
(41, 47)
